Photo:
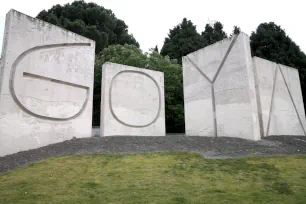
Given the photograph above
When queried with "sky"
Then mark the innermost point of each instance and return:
(150, 20)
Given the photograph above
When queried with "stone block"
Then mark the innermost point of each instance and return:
(280, 101)
(132, 101)
(219, 90)
(46, 84)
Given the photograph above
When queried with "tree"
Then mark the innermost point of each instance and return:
(90, 20)
(156, 49)
(132, 56)
(213, 33)
(207, 34)
(219, 34)
(236, 31)
(271, 42)
(182, 40)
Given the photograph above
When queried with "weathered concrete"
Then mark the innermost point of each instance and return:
(46, 84)
(280, 100)
(96, 131)
(219, 90)
(132, 101)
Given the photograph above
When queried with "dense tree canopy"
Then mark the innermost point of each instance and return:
(213, 33)
(132, 56)
(236, 31)
(90, 20)
(182, 40)
(156, 49)
(271, 42)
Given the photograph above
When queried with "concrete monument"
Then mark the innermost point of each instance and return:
(280, 101)
(219, 90)
(46, 84)
(132, 101)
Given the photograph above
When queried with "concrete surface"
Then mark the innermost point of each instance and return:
(209, 147)
(132, 101)
(219, 90)
(96, 131)
(46, 84)
(280, 100)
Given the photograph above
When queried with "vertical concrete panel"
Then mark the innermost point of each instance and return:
(4, 45)
(293, 80)
(230, 104)
(265, 76)
(132, 101)
(280, 98)
(198, 102)
(47, 85)
(234, 94)
(284, 120)
(213, 55)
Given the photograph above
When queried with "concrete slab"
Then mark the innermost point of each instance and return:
(280, 100)
(132, 101)
(219, 90)
(46, 84)
(96, 131)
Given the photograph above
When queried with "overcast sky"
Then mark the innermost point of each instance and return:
(150, 20)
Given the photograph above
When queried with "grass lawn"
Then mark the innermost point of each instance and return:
(157, 178)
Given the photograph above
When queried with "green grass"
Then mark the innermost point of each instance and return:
(157, 178)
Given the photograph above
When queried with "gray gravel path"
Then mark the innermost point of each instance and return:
(209, 147)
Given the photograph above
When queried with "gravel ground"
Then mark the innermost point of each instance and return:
(209, 147)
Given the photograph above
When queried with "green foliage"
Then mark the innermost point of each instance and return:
(156, 49)
(90, 20)
(236, 31)
(182, 40)
(213, 34)
(157, 178)
(271, 42)
(132, 56)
